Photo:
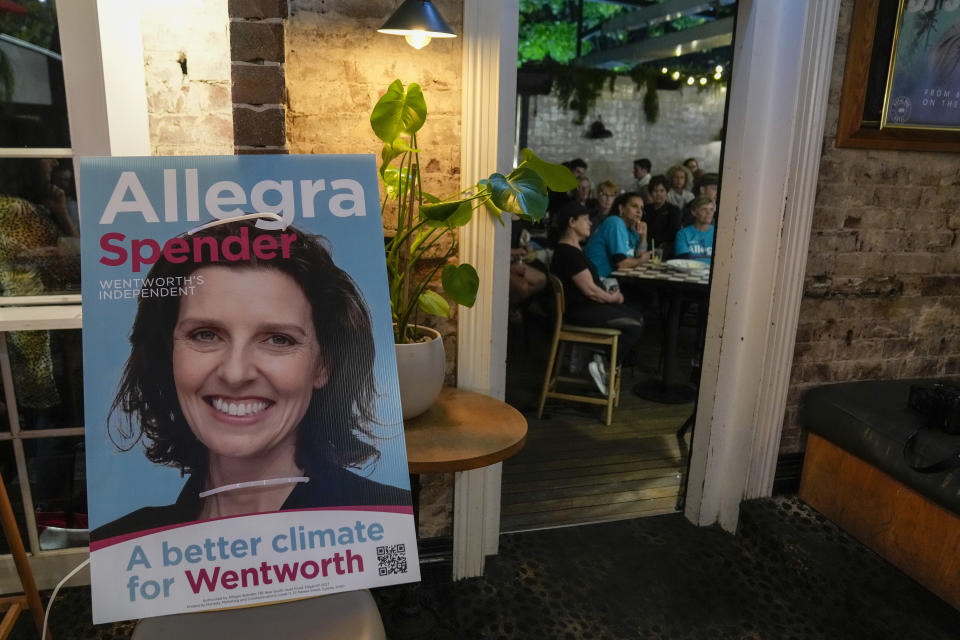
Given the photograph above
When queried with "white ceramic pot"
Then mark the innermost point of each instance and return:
(420, 367)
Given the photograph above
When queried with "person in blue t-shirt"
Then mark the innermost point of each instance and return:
(620, 242)
(696, 241)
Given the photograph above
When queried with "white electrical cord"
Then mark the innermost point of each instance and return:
(247, 216)
(254, 483)
(46, 615)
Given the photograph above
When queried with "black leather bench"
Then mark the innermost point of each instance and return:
(871, 420)
(855, 473)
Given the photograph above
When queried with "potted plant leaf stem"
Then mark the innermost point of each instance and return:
(423, 240)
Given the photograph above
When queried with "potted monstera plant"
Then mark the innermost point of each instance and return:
(422, 243)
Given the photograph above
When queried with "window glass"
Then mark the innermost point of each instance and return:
(47, 368)
(33, 106)
(8, 468)
(39, 227)
(58, 486)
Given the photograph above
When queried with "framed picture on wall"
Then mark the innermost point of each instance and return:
(902, 76)
(923, 86)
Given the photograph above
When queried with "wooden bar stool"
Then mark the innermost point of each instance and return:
(30, 598)
(567, 333)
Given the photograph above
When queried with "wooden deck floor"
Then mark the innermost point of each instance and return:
(573, 468)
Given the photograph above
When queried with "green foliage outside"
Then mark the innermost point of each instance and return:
(37, 26)
(548, 28)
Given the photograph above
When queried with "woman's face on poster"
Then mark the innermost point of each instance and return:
(246, 361)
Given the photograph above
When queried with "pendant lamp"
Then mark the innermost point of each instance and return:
(418, 21)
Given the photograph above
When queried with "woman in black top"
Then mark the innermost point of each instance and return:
(663, 218)
(588, 303)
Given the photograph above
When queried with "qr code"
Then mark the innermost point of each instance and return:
(392, 559)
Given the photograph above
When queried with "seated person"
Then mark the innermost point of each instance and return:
(681, 181)
(641, 171)
(584, 190)
(599, 207)
(696, 241)
(708, 185)
(662, 218)
(557, 199)
(587, 302)
(525, 280)
(621, 240)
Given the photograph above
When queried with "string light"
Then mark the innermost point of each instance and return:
(692, 80)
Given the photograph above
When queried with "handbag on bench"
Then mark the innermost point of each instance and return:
(940, 405)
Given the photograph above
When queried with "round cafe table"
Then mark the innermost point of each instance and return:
(463, 430)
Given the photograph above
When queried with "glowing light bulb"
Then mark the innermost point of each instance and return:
(690, 80)
(417, 39)
(703, 81)
(663, 69)
(719, 68)
(676, 75)
(717, 76)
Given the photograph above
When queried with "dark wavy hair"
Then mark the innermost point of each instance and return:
(623, 199)
(658, 180)
(337, 426)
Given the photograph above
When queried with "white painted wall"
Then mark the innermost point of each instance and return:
(689, 125)
(192, 113)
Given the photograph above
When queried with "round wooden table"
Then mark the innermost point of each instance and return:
(463, 430)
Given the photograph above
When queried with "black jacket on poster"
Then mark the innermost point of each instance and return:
(329, 486)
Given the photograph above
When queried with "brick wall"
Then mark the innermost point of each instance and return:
(257, 54)
(689, 125)
(337, 66)
(187, 72)
(882, 287)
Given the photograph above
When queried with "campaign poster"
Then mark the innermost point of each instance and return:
(244, 437)
(923, 87)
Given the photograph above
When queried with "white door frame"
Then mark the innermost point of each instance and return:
(488, 118)
(781, 75)
(784, 51)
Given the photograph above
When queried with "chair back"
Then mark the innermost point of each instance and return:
(559, 300)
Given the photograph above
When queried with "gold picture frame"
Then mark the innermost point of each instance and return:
(923, 85)
(857, 126)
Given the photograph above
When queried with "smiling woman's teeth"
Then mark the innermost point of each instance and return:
(238, 409)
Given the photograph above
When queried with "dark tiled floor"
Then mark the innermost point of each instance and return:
(787, 575)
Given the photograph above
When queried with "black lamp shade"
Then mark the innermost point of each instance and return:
(417, 15)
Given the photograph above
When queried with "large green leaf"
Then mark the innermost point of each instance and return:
(433, 303)
(392, 181)
(461, 283)
(556, 176)
(392, 151)
(522, 192)
(451, 214)
(398, 112)
(493, 210)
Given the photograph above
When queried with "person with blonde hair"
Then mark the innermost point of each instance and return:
(681, 181)
(599, 207)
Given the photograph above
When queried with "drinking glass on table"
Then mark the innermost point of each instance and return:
(656, 256)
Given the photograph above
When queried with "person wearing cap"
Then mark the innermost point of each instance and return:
(588, 302)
